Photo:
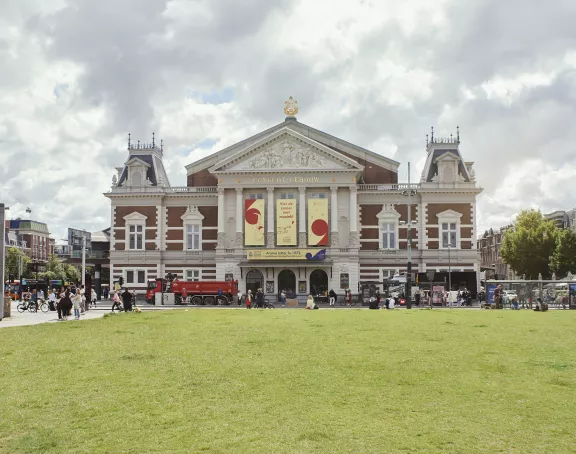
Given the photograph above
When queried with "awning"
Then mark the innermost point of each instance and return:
(285, 263)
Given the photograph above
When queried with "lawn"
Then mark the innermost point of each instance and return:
(292, 381)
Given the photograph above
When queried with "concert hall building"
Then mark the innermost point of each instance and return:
(294, 208)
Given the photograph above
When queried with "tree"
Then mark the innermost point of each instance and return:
(13, 256)
(71, 272)
(529, 245)
(564, 257)
(54, 269)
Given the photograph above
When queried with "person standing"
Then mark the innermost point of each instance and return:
(77, 303)
(127, 298)
(239, 297)
(219, 298)
(348, 297)
(82, 299)
(105, 293)
(332, 297)
(497, 297)
(93, 298)
(260, 298)
(249, 300)
(52, 300)
(417, 297)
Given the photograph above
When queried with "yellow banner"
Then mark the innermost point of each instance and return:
(318, 222)
(286, 254)
(286, 233)
(254, 222)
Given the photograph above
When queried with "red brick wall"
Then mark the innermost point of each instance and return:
(435, 208)
(149, 212)
(374, 174)
(202, 178)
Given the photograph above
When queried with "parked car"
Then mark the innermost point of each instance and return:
(511, 294)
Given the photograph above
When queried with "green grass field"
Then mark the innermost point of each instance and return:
(292, 381)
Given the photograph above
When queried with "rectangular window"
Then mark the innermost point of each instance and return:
(193, 237)
(388, 233)
(286, 195)
(317, 195)
(141, 277)
(256, 196)
(449, 231)
(192, 275)
(129, 277)
(136, 236)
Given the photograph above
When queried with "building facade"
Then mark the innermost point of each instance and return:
(490, 261)
(293, 208)
(32, 237)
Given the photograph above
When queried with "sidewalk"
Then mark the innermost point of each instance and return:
(35, 318)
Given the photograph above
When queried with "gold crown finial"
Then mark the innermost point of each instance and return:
(290, 107)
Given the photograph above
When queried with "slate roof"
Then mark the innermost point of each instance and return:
(431, 168)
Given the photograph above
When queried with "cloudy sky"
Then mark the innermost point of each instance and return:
(78, 75)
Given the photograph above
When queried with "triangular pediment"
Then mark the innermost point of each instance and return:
(287, 150)
(137, 162)
(448, 156)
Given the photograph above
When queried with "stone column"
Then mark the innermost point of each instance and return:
(270, 209)
(221, 239)
(334, 242)
(354, 237)
(302, 217)
(239, 218)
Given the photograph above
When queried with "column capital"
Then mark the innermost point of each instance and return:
(270, 190)
(353, 188)
(333, 188)
(302, 190)
(220, 191)
(239, 191)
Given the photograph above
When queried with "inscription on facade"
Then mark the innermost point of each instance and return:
(285, 180)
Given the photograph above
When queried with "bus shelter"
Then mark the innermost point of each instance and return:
(560, 294)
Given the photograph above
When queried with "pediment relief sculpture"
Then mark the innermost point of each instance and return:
(287, 155)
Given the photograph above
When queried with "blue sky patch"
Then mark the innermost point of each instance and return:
(214, 97)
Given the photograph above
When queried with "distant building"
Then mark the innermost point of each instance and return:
(490, 261)
(101, 243)
(559, 217)
(75, 241)
(32, 237)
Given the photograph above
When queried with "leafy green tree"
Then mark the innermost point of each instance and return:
(72, 273)
(54, 268)
(564, 257)
(13, 256)
(528, 246)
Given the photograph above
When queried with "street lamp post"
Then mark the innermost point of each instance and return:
(409, 193)
(449, 275)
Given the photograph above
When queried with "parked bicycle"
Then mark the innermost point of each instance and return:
(30, 306)
(344, 303)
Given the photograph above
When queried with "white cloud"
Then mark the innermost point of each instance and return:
(79, 75)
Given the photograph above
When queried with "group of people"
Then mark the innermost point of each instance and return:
(65, 299)
(251, 300)
(500, 300)
(123, 301)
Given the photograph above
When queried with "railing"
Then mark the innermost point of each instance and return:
(160, 189)
(192, 189)
(89, 255)
(387, 187)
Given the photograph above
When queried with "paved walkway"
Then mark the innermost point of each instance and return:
(34, 318)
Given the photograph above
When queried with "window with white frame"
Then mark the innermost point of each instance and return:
(193, 237)
(286, 195)
(256, 196)
(449, 229)
(135, 231)
(317, 195)
(388, 235)
(135, 276)
(388, 220)
(192, 224)
(192, 275)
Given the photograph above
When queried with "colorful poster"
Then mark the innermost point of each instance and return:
(286, 233)
(318, 222)
(254, 222)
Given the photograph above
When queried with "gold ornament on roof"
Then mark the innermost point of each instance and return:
(290, 107)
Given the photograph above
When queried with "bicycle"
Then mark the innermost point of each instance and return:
(28, 305)
(343, 302)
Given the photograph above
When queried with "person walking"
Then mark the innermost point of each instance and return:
(105, 293)
(93, 298)
(249, 300)
(497, 302)
(348, 297)
(332, 297)
(77, 303)
(260, 299)
(116, 301)
(239, 297)
(127, 299)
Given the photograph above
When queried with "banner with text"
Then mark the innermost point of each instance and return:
(286, 233)
(254, 222)
(318, 222)
(286, 254)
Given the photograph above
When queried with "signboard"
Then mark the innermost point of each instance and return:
(344, 280)
(286, 254)
(254, 222)
(438, 288)
(318, 222)
(286, 233)
(490, 293)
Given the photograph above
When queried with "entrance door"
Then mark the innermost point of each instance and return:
(287, 283)
(254, 281)
(318, 283)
